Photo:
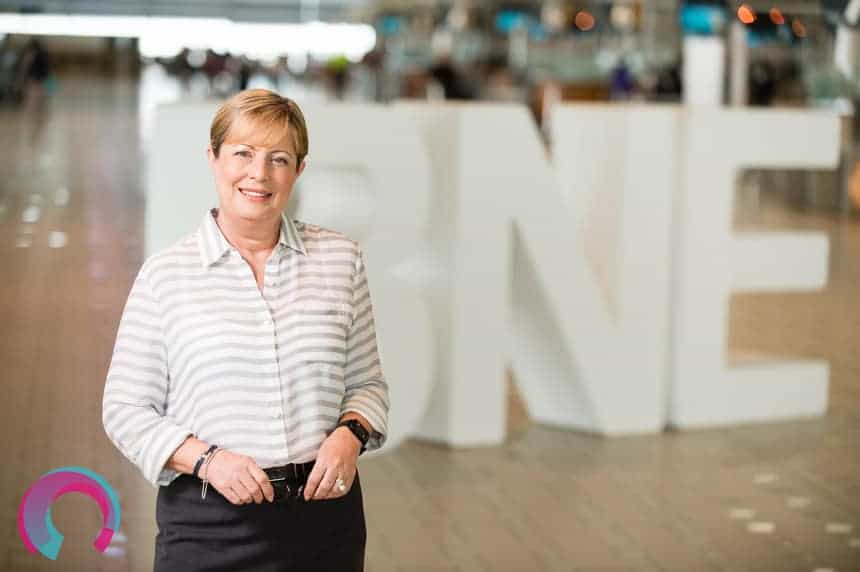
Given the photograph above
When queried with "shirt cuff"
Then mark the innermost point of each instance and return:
(159, 475)
(379, 429)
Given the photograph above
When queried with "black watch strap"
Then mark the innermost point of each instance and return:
(358, 430)
(203, 456)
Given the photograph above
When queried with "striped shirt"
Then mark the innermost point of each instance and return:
(201, 351)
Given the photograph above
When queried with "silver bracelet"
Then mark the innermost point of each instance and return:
(205, 471)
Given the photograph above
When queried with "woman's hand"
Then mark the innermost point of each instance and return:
(238, 478)
(337, 456)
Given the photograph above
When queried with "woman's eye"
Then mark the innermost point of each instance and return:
(281, 161)
(242, 153)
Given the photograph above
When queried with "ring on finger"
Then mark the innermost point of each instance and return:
(341, 486)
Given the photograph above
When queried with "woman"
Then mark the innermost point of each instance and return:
(245, 380)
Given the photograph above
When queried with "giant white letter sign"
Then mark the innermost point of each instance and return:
(590, 308)
(711, 263)
(603, 277)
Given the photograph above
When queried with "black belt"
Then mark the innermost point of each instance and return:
(288, 481)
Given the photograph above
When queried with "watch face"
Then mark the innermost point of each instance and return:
(358, 430)
(362, 432)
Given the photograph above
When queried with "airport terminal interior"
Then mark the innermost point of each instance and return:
(76, 114)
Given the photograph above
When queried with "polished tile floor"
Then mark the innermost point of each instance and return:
(759, 498)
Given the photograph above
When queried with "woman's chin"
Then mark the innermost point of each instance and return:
(246, 209)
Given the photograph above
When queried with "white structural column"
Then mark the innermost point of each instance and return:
(846, 50)
(738, 63)
(703, 73)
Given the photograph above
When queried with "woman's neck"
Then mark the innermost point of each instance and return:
(251, 237)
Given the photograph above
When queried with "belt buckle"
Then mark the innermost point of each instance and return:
(278, 488)
(289, 490)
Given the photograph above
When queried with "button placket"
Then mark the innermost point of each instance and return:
(270, 285)
(271, 280)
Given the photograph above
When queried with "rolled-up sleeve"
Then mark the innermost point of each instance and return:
(135, 396)
(366, 389)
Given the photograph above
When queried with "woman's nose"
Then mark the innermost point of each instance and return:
(258, 168)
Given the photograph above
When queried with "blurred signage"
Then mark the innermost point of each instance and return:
(702, 19)
(392, 24)
(508, 20)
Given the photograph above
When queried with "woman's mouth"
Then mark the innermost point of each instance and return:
(254, 195)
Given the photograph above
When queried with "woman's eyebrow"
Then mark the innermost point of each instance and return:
(254, 147)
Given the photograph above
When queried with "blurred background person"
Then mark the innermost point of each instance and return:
(35, 80)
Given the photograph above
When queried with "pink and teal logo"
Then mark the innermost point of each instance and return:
(34, 513)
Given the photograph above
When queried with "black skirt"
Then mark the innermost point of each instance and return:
(214, 535)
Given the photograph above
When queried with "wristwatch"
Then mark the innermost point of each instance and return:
(358, 430)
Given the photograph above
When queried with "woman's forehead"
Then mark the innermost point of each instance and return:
(259, 134)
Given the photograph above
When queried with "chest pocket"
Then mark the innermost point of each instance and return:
(319, 334)
(324, 313)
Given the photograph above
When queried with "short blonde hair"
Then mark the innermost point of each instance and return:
(266, 109)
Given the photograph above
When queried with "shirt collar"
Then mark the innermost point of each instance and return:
(213, 244)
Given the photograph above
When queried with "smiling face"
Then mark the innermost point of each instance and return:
(255, 170)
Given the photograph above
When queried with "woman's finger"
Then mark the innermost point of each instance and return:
(350, 479)
(263, 482)
(252, 486)
(348, 476)
(325, 488)
(314, 480)
(228, 494)
(241, 492)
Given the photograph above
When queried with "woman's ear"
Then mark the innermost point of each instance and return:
(301, 166)
(210, 154)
